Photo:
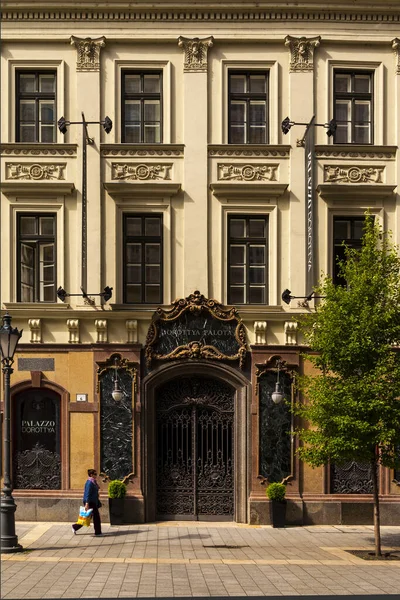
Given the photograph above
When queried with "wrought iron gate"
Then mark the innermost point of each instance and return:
(195, 460)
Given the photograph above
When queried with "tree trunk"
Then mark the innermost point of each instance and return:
(377, 518)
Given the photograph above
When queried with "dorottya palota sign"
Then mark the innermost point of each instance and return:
(196, 327)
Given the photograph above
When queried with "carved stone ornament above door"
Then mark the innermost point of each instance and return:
(196, 327)
(88, 50)
(196, 51)
(302, 52)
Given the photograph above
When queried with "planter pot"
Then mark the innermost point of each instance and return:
(278, 513)
(116, 510)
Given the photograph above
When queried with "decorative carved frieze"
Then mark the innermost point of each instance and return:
(239, 172)
(232, 151)
(88, 52)
(196, 51)
(35, 328)
(260, 332)
(175, 150)
(38, 149)
(101, 330)
(73, 331)
(396, 48)
(353, 174)
(140, 172)
(290, 333)
(302, 52)
(131, 329)
(35, 171)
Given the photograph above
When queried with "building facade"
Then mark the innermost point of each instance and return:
(173, 185)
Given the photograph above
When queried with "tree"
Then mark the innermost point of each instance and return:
(352, 403)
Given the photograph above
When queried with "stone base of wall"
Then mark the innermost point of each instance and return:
(327, 513)
(67, 509)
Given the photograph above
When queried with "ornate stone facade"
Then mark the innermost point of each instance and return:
(302, 52)
(88, 51)
(196, 51)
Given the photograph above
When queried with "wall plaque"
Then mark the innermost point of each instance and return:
(36, 364)
(196, 327)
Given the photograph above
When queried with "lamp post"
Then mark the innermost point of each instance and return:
(9, 338)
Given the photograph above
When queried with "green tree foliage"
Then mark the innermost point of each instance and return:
(353, 400)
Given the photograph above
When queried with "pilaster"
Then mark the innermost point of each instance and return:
(195, 126)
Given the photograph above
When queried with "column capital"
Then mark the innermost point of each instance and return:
(195, 53)
(396, 48)
(302, 53)
(88, 50)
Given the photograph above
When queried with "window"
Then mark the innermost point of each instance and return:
(353, 108)
(247, 260)
(141, 107)
(143, 259)
(349, 230)
(36, 106)
(36, 258)
(248, 107)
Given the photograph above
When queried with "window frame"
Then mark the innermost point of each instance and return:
(142, 96)
(350, 242)
(36, 96)
(352, 97)
(38, 240)
(247, 96)
(142, 240)
(247, 241)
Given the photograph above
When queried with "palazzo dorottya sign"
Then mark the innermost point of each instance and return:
(196, 327)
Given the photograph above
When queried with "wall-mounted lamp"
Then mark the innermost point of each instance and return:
(287, 297)
(117, 393)
(106, 294)
(278, 395)
(331, 127)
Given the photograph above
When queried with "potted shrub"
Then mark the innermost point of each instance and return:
(116, 501)
(276, 493)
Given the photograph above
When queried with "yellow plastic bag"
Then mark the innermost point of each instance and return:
(86, 521)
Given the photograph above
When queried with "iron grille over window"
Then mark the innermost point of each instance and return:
(36, 106)
(141, 107)
(247, 260)
(37, 258)
(348, 230)
(248, 107)
(143, 259)
(353, 107)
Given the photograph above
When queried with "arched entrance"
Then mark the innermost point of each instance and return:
(37, 440)
(195, 449)
(195, 417)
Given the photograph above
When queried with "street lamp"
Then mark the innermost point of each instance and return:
(9, 338)
(277, 396)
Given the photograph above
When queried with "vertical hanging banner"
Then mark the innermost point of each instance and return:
(310, 205)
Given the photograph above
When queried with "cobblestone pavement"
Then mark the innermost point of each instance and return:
(196, 559)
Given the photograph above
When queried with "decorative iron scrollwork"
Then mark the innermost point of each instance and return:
(351, 478)
(195, 459)
(196, 327)
(116, 418)
(38, 469)
(275, 423)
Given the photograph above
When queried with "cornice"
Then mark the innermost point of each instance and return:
(386, 11)
(148, 150)
(234, 191)
(33, 188)
(354, 192)
(122, 189)
(21, 149)
(248, 151)
(339, 151)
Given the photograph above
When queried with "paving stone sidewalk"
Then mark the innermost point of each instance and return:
(196, 559)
